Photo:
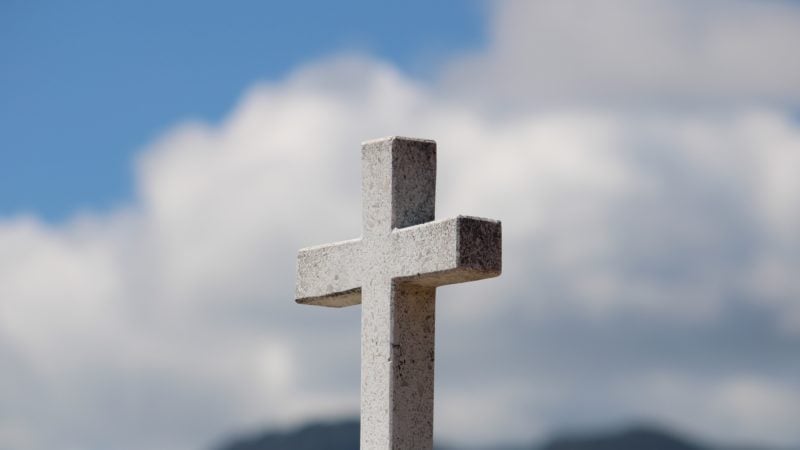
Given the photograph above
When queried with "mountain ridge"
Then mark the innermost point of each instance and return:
(344, 435)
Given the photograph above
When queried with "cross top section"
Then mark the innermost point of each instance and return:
(398, 192)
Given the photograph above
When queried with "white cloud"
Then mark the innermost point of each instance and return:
(742, 405)
(633, 241)
(669, 52)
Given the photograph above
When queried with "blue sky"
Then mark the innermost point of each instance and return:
(161, 164)
(86, 84)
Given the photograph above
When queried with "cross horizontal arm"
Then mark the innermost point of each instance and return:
(330, 275)
(448, 251)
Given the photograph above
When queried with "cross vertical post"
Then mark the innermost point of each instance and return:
(393, 271)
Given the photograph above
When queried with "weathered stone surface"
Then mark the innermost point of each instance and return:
(330, 275)
(393, 271)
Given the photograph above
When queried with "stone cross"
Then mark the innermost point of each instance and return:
(393, 271)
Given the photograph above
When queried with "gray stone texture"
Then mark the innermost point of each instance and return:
(393, 271)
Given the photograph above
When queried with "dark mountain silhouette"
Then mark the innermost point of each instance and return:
(333, 436)
(638, 438)
(344, 435)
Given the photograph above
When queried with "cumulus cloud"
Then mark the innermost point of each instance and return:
(648, 265)
(631, 51)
